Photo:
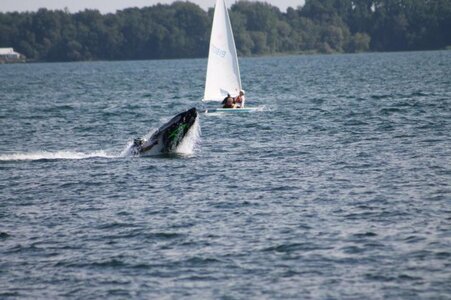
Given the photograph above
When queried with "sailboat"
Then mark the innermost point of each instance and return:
(223, 72)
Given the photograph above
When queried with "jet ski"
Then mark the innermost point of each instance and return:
(168, 137)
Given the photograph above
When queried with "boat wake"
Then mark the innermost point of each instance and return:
(45, 155)
(187, 147)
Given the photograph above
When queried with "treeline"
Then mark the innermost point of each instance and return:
(182, 29)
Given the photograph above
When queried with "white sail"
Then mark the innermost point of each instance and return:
(223, 73)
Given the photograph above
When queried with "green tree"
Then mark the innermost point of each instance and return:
(182, 29)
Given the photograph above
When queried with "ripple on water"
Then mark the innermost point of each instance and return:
(337, 189)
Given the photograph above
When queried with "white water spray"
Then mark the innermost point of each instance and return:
(39, 155)
(191, 141)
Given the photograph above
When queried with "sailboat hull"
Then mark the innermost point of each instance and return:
(231, 110)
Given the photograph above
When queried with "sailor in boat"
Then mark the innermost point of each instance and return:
(239, 100)
(228, 102)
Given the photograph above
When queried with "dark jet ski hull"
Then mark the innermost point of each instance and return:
(168, 137)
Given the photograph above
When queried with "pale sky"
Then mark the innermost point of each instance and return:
(106, 6)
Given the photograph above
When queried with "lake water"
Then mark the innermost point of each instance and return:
(339, 187)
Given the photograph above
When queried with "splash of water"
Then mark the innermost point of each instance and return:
(191, 142)
(127, 151)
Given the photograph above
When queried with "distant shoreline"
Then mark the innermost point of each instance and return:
(310, 53)
(182, 30)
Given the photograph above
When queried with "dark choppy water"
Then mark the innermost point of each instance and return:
(340, 188)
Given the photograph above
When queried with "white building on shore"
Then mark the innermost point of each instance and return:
(9, 55)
